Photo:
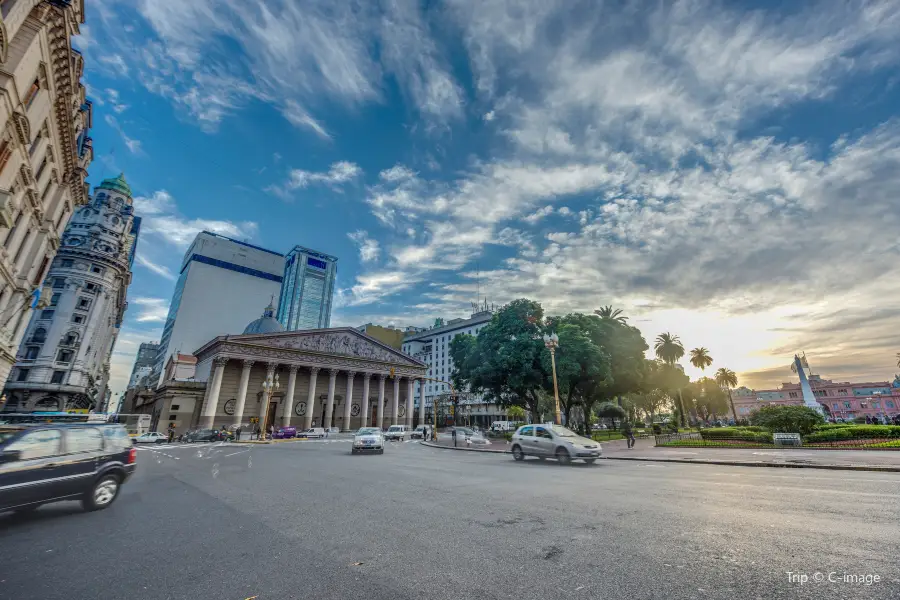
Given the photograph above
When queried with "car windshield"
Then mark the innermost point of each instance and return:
(395, 428)
(367, 431)
(563, 432)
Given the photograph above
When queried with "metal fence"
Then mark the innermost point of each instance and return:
(696, 440)
(675, 437)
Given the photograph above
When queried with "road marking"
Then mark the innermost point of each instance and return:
(235, 453)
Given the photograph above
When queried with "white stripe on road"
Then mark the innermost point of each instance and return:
(235, 453)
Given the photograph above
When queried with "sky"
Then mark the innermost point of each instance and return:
(725, 171)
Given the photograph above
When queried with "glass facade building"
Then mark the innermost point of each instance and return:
(306, 290)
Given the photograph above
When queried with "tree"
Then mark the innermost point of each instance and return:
(707, 397)
(700, 358)
(608, 313)
(650, 403)
(726, 378)
(669, 349)
(787, 419)
(611, 411)
(515, 413)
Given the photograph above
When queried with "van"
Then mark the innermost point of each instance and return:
(503, 426)
(397, 432)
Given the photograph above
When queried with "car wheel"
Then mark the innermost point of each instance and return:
(563, 457)
(590, 461)
(517, 453)
(102, 494)
(159, 441)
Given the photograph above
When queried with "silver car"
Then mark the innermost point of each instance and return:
(553, 441)
(368, 439)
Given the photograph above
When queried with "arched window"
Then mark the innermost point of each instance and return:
(49, 403)
(71, 339)
(39, 336)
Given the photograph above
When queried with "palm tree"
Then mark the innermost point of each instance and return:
(669, 349)
(608, 313)
(700, 358)
(727, 379)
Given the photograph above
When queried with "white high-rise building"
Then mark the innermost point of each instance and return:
(63, 362)
(44, 152)
(222, 287)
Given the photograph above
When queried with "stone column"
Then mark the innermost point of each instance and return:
(381, 378)
(289, 396)
(348, 401)
(242, 393)
(212, 401)
(410, 386)
(421, 402)
(329, 408)
(364, 412)
(395, 405)
(264, 399)
(311, 397)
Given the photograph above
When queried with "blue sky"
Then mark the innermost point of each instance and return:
(727, 172)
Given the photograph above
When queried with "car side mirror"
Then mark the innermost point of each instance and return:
(8, 456)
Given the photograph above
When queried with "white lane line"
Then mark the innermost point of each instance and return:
(234, 453)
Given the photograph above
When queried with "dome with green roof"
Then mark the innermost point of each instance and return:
(117, 184)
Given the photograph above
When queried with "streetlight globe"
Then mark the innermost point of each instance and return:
(554, 337)
(546, 338)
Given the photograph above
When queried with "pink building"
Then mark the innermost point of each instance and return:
(842, 399)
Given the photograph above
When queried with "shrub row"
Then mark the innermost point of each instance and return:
(852, 432)
(754, 434)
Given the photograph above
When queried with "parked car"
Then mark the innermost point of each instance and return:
(63, 461)
(553, 441)
(397, 432)
(203, 435)
(284, 433)
(467, 435)
(368, 439)
(422, 432)
(312, 433)
(152, 437)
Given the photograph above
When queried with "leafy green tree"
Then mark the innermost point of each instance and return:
(611, 411)
(787, 419)
(726, 378)
(708, 398)
(650, 402)
(515, 413)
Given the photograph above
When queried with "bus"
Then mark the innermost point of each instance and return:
(134, 424)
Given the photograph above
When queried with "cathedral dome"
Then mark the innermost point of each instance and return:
(267, 323)
(117, 184)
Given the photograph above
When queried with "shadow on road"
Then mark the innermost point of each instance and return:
(44, 514)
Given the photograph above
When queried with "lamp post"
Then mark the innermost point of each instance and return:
(552, 343)
(269, 387)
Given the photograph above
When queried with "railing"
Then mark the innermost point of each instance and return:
(665, 438)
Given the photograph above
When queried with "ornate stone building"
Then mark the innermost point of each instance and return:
(63, 362)
(44, 151)
(327, 377)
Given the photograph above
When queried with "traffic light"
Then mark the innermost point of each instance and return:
(392, 372)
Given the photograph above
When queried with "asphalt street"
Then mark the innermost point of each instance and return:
(308, 520)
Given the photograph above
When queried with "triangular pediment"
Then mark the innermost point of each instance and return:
(339, 341)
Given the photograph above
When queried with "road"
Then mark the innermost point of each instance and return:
(308, 520)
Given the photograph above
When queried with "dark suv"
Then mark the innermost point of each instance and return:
(52, 462)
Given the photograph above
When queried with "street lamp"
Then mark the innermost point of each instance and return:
(269, 387)
(552, 343)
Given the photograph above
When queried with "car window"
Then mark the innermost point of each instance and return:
(117, 437)
(83, 439)
(542, 432)
(529, 431)
(38, 444)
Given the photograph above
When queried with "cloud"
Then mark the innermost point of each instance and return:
(298, 117)
(396, 173)
(133, 145)
(369, 249)
(339, 173)
(117, 63)
(162, 220)
(489, 116)
(158, 269)
(113, 97)
(539, 214)
(152, 310)
(125, 352)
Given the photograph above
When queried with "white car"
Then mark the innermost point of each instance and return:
(397, 432)
(312, 432)
(368, 439)
(152, 437)
(553, 441)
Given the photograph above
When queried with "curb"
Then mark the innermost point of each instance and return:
(430, 445)
(745, 463)
(727, 463)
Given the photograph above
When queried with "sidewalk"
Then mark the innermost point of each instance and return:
(644, 450)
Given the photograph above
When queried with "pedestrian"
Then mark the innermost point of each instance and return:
(171, 433)
(237, 433)
(628, 432)
(453, 432)
(271, 432)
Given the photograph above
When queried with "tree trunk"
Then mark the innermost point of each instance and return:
(682, 415)
(731, 402)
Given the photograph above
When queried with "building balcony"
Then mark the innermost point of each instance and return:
(6, 209)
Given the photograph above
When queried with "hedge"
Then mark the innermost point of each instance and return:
(737, 433)
(851, 432)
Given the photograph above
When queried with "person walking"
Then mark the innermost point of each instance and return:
(171, 433)
(271, 432)
(237, 434)
(628, 432)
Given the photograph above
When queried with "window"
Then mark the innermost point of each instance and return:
(5, 153)
(23, 375)
(846, 405)
(97, 269)
(31, 352)
(172, 418)
(33, 92)
(40, 169)
(39, 336)
(835, 406)
(527, 431)
(57, 376)
(12, 232)
(91, 287)
(87, 439)
(792, 394)
(68, 263)
(84, 303)
(876, 404)
(78, 318)
(47, 313)
(71, 339)
(863, 404)
(37, 444)
(175, 407)
(542, 432)
(889, 404)
(59, 283)
(64, 356)
(117, 437)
